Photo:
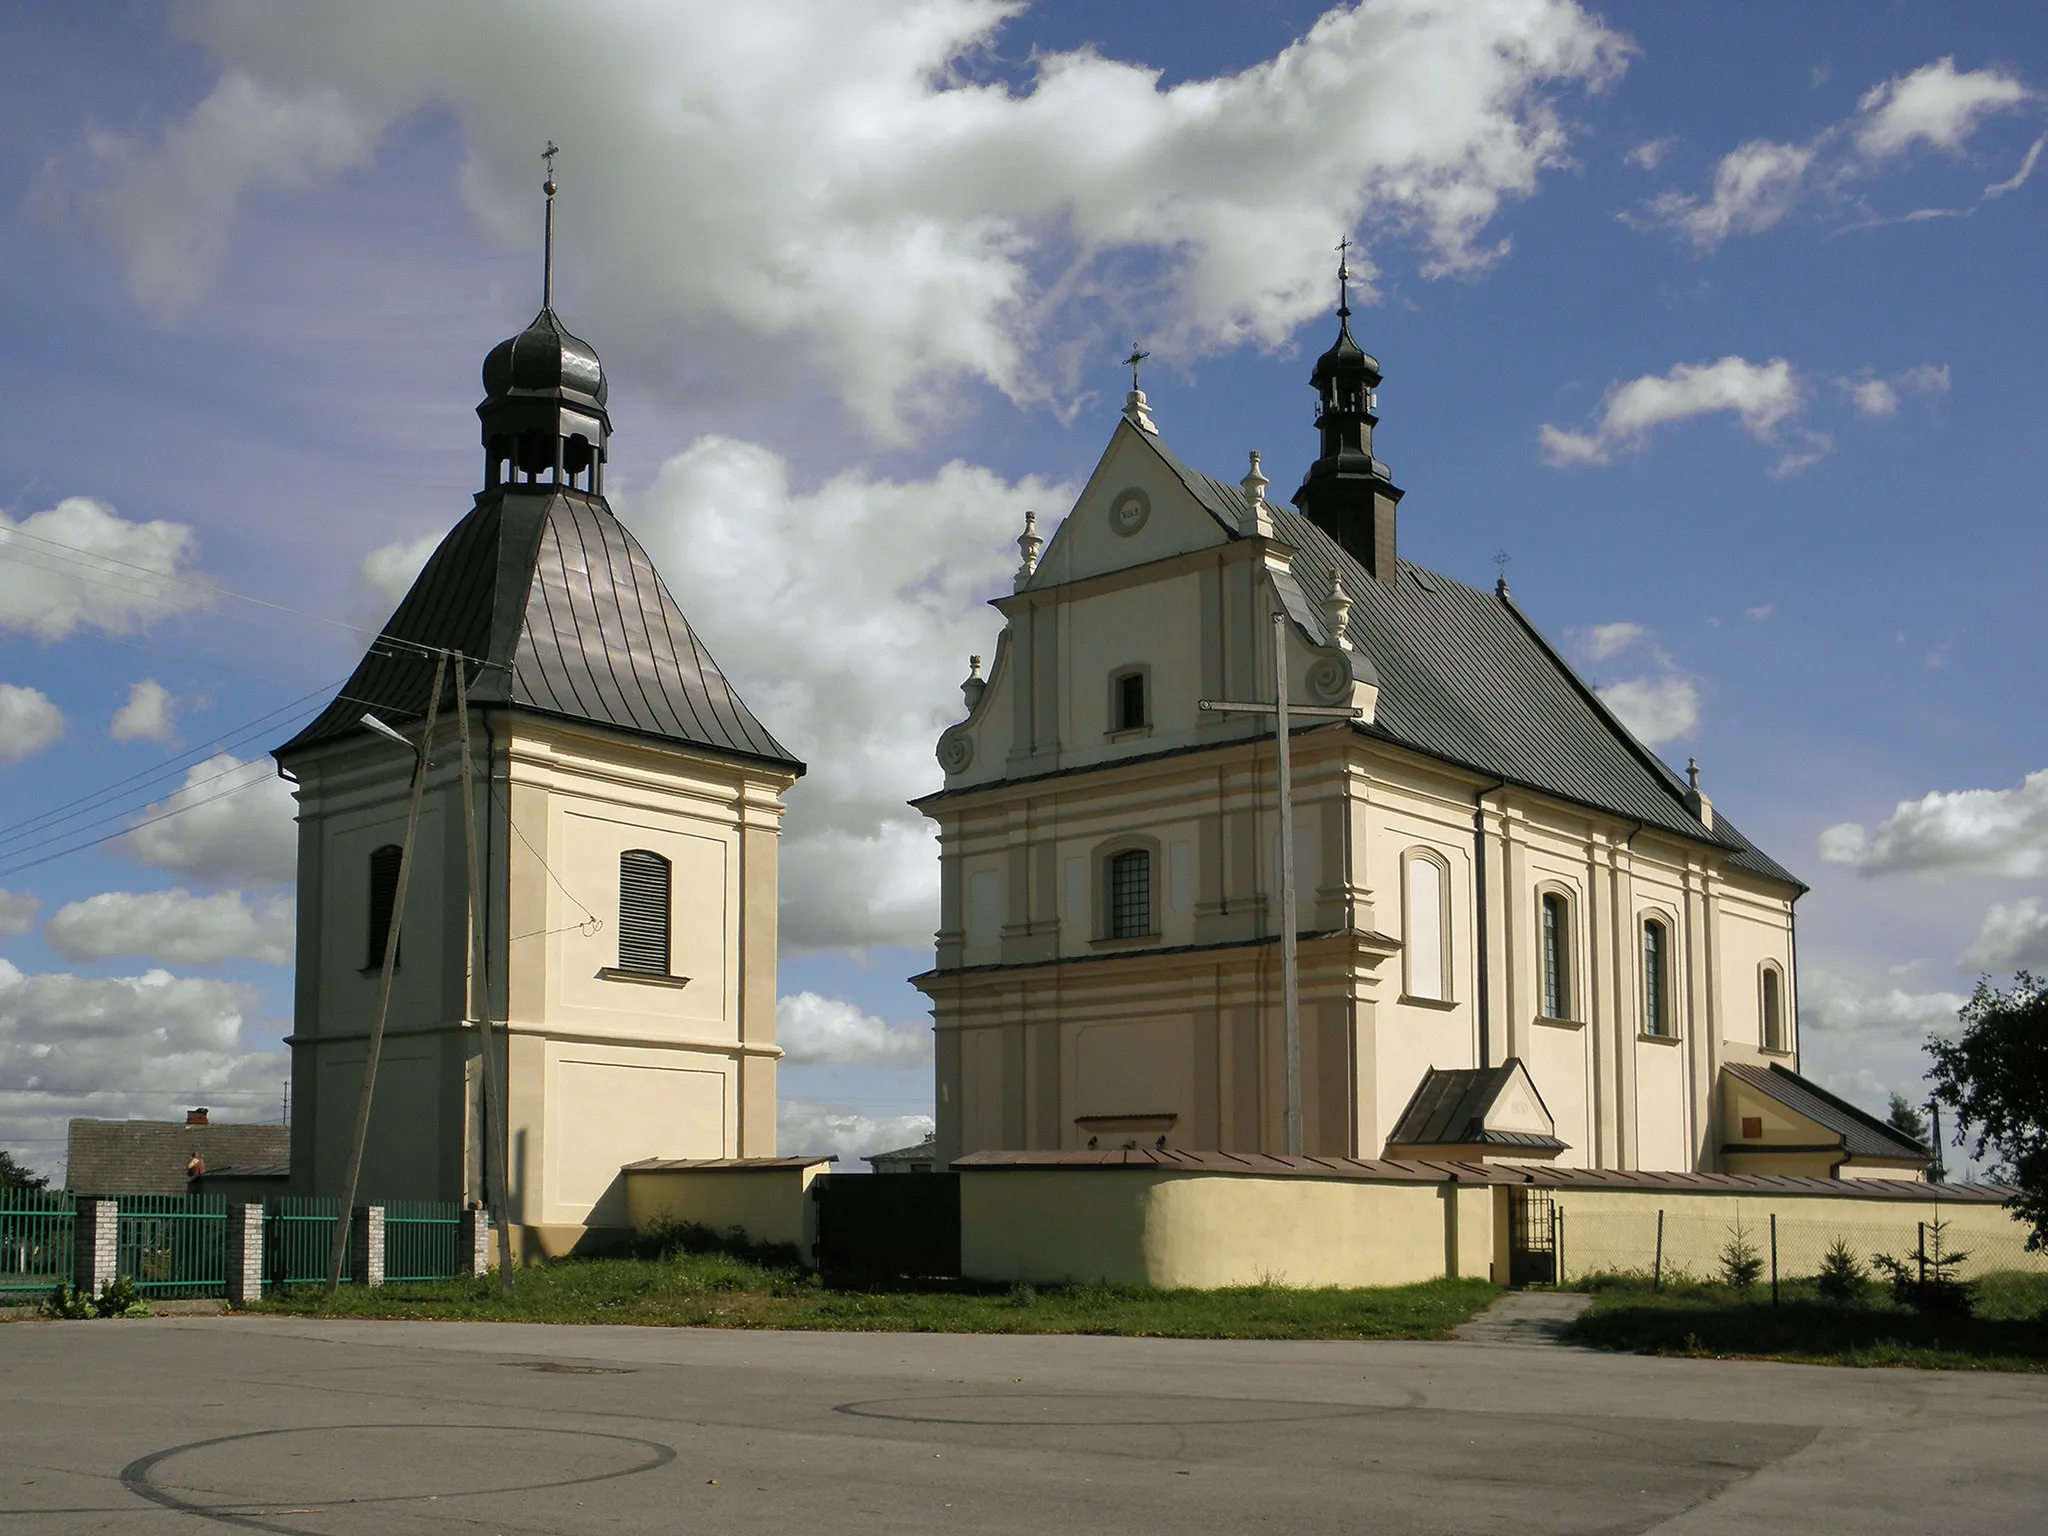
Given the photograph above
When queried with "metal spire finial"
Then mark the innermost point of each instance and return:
(1501, 561)
(1344, 277)
(547, 267)
(1133, 361)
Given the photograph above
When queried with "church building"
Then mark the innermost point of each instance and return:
(1520, 935)
(627, 806)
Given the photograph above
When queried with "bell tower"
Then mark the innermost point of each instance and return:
(1347, 492)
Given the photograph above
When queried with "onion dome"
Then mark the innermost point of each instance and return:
(542, 359)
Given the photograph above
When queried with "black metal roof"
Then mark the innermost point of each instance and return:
(1863, 1135)
(1449, 1109)
(570, 619)
(1466, 678)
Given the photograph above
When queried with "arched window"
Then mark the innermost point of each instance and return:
(1557, 957)
(643, 912)
(1656, 977)
(1130, 894)
(1772, 1008)
(1422, 942)
(384, 866)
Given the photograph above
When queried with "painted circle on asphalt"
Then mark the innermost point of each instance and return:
(318, 1468)
(1081, 1410)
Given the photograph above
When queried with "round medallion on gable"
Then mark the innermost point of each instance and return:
(1127, 513)
(1329, 680)
(956, 750)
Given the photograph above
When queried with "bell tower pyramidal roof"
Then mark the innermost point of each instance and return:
(547, 597)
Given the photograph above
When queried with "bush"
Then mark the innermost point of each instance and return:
(1741, 1265)
(1841, 1278)
(1928, 1280)
(117, 1298)
(665, 1237)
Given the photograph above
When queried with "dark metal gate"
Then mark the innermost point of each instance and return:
(1532, 1237)
(888, 1225)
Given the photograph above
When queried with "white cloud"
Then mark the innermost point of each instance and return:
(2013, 937)
(845, 616)
(836, 170)
(1755, 186)
(387, 573)
(230, 821)
(175, 927)
(104, 572)
(1761, 396)
(149, 715)
(1656, 709)
(1874, 396)
(814, 1030)
(1936, 104)
(1972, 831)
(17, 913)
(1649, 154)
(2018, 178)
(1760, 612)
(804, 1127)
(29, 722)
(119, 1046)
(1603, 642)
(1867, 1042)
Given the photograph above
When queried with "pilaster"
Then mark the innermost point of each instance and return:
(366, 1245)
(95, 1244)
(245, 1254)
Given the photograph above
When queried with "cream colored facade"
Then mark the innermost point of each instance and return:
(602, 1068)
(1052, 1034)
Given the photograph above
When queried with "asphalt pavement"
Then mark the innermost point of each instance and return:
(310, 1428)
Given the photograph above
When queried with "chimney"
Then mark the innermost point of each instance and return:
(195, 1117)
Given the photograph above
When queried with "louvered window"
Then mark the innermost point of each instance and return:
(643, 912)
(1557, 973)
(384, 864)
(1130, 895)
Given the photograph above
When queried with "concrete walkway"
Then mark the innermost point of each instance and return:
(1525, 1317)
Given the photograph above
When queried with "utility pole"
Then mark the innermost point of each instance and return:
(496, 1199)
(1290, 983)
(338, 1249)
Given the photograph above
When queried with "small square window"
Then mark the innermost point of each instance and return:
(1752, 1127)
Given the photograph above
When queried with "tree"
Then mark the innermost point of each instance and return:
(1995, 1075)
(14, 1176)
(1906, 1119)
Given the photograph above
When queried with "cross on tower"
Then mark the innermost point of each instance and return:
(1133, 361)
(1344, 276)
(548, 155)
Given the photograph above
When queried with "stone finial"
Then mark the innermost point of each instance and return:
(1337, 612)
(1696, 800)
(1138, 413)
(1692, 772)
(1028, 545)
(975, 685)
(1257, 521)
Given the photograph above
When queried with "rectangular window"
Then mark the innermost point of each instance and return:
(1424, 929)
(1130, 701)
(1130, 895)
(643, 912)
(384, 867)
(1774, 1011)
(1656, 993)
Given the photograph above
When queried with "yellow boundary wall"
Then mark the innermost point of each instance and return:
(768, 1198)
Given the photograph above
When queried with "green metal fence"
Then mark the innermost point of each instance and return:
(173, 1245)
(297, 1232)
(422, 1240)
(35, 1242)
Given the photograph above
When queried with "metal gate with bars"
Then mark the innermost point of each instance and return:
(35, 1243)
(1532, 1237)
(173, 1245)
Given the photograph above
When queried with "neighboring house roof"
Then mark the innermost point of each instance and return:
(1450, 1105)
(571, 620)
(924, 1152)
(148, 1157)
(1863, 1135)
(1464, 677)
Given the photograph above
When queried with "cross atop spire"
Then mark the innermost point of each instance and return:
(1344, 276)
(547, 268)
(1132, 362)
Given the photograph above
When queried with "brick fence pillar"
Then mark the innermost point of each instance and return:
(475, 1243)
(245, 1254)
(366, 1245)
(96, 1238)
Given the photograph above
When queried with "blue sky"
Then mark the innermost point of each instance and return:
(1722, 323)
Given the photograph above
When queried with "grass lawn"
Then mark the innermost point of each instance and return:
(702, 1290)
(2009, 1331)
